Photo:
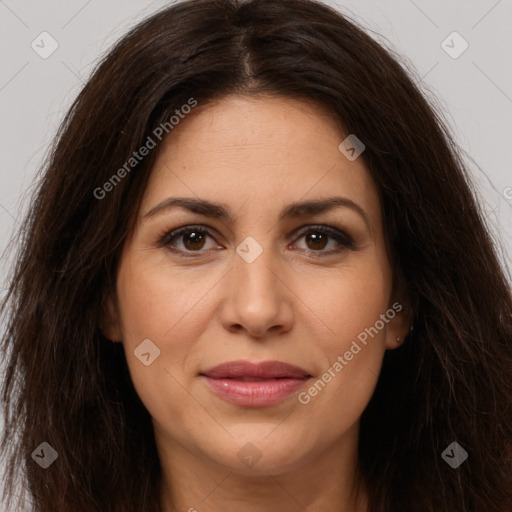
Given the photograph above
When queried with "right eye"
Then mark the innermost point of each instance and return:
(188, 239)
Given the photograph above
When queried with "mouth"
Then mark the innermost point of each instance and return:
(249, 384)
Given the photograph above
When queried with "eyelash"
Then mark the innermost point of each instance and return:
(344, 240)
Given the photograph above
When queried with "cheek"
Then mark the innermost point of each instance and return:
(353, 345)
(155, 300)
(350, 302)
(172, 308)
(159, 306)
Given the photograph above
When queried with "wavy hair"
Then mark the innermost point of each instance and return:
(67, 385)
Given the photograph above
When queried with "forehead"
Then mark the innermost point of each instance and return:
(260, 151)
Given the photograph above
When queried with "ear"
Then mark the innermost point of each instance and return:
(110, 326)
(399, 325)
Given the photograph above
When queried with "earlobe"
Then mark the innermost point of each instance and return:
(395, 341)
(399, 328)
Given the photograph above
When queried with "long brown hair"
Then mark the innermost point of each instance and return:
(66, 385)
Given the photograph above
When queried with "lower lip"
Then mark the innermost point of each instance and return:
(260, 393)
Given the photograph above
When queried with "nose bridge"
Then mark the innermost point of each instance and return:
(255, 266)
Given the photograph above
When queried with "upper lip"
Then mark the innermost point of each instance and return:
(262, 370)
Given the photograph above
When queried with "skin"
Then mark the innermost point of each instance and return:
(256, 156)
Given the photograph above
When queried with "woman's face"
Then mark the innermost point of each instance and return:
(291, 268)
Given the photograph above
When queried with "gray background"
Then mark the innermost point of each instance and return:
(473, 91)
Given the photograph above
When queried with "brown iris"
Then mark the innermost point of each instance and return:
(319, 240)
(194, 240)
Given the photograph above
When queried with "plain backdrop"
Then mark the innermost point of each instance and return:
(472, 88)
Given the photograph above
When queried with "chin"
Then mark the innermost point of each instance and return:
(255, 454)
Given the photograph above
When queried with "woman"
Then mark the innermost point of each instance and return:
(255, 277)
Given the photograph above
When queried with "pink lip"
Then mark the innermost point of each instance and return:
(255, 385)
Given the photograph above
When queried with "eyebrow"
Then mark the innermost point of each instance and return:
(222, 212)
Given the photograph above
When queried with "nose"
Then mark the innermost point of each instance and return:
(257, 299)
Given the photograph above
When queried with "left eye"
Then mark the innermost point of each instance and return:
(317, 238)
(191, 239)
